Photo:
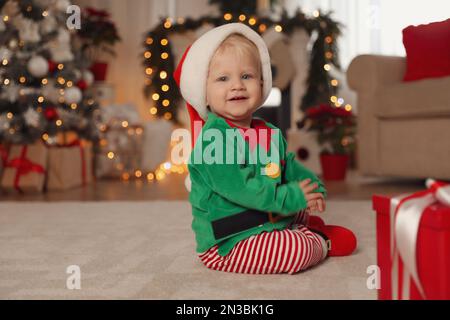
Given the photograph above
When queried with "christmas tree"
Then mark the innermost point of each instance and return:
(324, 54)
(44, 80)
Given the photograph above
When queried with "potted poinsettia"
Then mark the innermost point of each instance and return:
(336, 128)
(98, 35)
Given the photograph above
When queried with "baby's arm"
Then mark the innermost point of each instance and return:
(243, 185)
(294, 170)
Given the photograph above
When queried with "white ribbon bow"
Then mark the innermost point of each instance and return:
(405, 221)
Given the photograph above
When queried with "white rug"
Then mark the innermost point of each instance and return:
(145, 250)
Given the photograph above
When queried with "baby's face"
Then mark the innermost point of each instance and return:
(234, 85)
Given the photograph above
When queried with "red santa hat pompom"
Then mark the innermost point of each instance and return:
(192, 71)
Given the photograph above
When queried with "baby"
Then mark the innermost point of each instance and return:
(248, 216)
(234, 92)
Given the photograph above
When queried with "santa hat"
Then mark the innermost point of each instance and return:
(192, 71)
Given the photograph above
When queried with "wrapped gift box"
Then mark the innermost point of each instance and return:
(25, 169)
(69, 165)
(431, 251)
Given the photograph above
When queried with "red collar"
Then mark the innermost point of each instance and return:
(257, 125)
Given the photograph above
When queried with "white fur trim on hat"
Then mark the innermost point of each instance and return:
(194, 72)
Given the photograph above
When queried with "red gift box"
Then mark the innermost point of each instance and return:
(420, 222)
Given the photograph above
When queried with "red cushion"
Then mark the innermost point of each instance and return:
(427, 50)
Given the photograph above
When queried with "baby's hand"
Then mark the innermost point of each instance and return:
(315, 200)
(317, 205)
(307, 191)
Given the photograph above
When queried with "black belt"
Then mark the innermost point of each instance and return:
(242, 221)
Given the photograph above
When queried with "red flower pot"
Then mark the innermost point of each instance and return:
(99, 70)
(334, 166)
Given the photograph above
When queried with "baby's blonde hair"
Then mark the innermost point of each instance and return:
(241, 46)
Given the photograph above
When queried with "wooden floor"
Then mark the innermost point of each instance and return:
(355, 187)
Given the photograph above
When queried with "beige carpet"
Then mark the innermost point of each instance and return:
(145, 250)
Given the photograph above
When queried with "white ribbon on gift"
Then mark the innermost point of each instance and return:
(404, 229)
(441, 189)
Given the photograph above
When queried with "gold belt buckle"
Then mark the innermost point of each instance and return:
(274, 218)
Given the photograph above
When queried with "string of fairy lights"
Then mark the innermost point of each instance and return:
(334, 100)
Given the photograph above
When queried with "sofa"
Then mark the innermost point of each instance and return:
(403, 127)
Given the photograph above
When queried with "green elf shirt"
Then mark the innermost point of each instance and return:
(221, 188)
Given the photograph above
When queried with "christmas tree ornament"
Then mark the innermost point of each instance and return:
(88, 77)
(50, 113)
(31, 117)
(82, 84)
(38, 66)
(51, 66)
(73, 95)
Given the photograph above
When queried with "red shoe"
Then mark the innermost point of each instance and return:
(316, 222)
(341, 241)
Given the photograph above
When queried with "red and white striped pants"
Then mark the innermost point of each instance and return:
(287, 251)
